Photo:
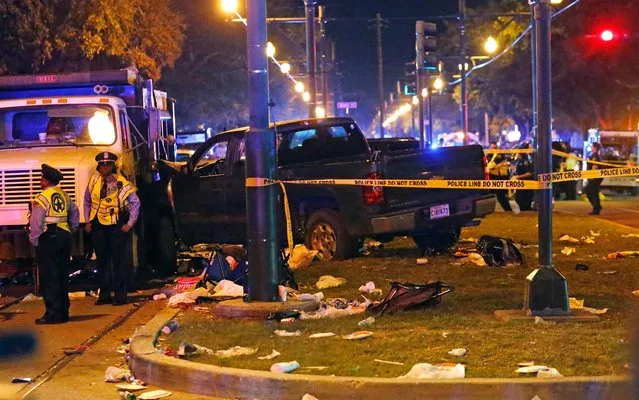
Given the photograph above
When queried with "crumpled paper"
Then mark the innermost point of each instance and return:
(329, 281)
(429, 371)
(568, 238)
(370, 288)
(228, 288)
(271, 356)
(187, 297)
(235, 351)
(301, 257)
(568, 250)
(115, 374)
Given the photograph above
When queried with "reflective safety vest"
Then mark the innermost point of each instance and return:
(108, 208)
(501, 169)
(56, 202)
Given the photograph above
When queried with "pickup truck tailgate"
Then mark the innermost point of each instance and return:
(463, 162)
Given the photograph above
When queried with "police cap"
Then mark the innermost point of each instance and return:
(51, 174)
(106, 157)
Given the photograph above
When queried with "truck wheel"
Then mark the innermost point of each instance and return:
(327, 233)
(438, 240)
(166, 257)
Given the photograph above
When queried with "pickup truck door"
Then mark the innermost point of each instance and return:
(200, 195)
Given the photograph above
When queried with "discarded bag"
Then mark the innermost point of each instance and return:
(301, 257)
(409, 296)
(498, 251)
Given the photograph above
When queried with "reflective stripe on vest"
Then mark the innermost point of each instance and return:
(107, 209)
(55, 202)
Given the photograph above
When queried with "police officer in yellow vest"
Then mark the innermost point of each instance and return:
(52, 218)
(499, 169)
(111, 208)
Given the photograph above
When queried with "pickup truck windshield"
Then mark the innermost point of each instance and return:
(55, 125)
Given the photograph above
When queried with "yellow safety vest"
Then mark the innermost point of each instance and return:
(497, 169)
(56, 203)
(108, 208)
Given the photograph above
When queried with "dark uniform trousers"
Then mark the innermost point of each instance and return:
(53, 253)
(592, 192)
(113, 250)
(502, 194)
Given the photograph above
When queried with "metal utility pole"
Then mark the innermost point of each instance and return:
(464, 84)
(380, 73)
(323, 64)
(261, 204)
(429, 109)
(546, 289)
(311, 52)
(419, 63)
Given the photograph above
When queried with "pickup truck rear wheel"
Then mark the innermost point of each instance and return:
(327, 233)
(437, 240)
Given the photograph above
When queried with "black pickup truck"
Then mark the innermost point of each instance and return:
(209, 192)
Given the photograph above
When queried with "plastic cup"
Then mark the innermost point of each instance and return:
(42, 136)
(282, 292)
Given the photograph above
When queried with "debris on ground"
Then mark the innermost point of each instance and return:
(582, 267)
(611, 272)
(31, 297)
(77, 295)
(440, 371)
(154, 394)
(309, 397)
(329, 281)
(549, 373)
(160, 296)
(468, 240)
(369, 288)
(498, 251)
(235, 351)
(373, 245)
(445, 334)
(531, 369)
(589, 240)
(321, 335)
(370, 321)
(457, 352)
(569, 239)
(130, 386)
(301, 257)
(541, 321)
(189, 349)
(317, 297)
(408, 296)
(337, 308)
(635, 292)
(285, 333)
(115, 374)
(388, 362)
(592, 233)
(271, 356)
(228, 288)
(21, 380)
(170, 327)
(187, 298)
(422, 261)
(631, 235)
(577, 304)
(477, 259)
(281, 315)
(285, 367)
(74, 350)
(359, 335)
(282, 292)
(622, 254)
(568, 250)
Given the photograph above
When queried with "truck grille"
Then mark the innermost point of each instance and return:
(21, 186)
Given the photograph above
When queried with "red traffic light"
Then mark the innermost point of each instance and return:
(607, 35)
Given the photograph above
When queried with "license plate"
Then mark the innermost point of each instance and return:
(439, 211)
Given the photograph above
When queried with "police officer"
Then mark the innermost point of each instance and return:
(592, 189)
(111, 207)
(499, 169)
(53, 216)
(523, 171)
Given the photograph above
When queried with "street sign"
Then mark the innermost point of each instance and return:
(346, 104)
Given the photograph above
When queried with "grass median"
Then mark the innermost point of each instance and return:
(464, 319)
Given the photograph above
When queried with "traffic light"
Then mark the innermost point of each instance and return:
(409, 85)
(425, 45)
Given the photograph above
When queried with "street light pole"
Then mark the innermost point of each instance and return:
(464, 83)
(261, 205)
(419, 64)
(311, 52)
(546, 289)
(380, 73)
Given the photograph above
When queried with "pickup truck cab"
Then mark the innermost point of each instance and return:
(209, 192)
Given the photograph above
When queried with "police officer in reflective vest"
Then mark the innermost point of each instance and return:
(52, 218)
(111, 207)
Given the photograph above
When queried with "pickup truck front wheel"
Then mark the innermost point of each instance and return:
(437, 240)
(327, 233)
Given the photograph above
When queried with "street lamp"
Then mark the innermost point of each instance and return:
(415, 100)
(320, 112)
(306, 96)
(229, 6)
(285, 67)
(270, 50)
(438, 84)
(491, 45)
(299, 87)
(425, 92)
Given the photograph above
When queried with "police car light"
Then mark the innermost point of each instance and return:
(101, 128)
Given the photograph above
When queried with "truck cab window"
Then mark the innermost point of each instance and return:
(212, 160)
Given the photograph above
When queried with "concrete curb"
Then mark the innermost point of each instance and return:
(171, 373)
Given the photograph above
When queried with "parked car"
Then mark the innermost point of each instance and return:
(209, 192)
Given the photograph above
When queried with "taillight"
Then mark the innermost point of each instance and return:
(373, 194)
(486, 174)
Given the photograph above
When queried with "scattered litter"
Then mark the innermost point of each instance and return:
(126, 395)
(531, 369)
(285, 367)
(407, 296)
(21, 380)
(445, 334)
(575, 303)
(309, 397)
(160, 296)
(388, 362)
(201, 309)
(569, 239)
(235, 352)
(337, 308)
(130, 386)
(188, 349)
(541, 321)
(283, 333)
(115, 374)
(282, 315)
(329, 281)
(187, 297)
(457, 352)
(631, 235)
(550, 373)
(422, 261)
(611, 272)
(568, 250)
(321, 335)
(373, 245)
(468, 240)
(31, 297)
(499, 252)
(77, 295)
(170, 326)
(598, 233)
(154, 394)
(582, 267)
(228, 288)
(74, 350)
(271, 356)
(301, 257)
(622, 254)
(635, 292)
(477, 259)
(529, 246)
(288, 320)
(366, 322)
(526, 364)
(369, 288)
(589, 240)
(282, 291)
(359, 335)
(595, 310)
(441, 371)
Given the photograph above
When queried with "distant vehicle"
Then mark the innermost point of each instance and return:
(618, 148)
(386, 145)
(209, 192)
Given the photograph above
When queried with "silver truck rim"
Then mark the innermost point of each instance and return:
(323, 240)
